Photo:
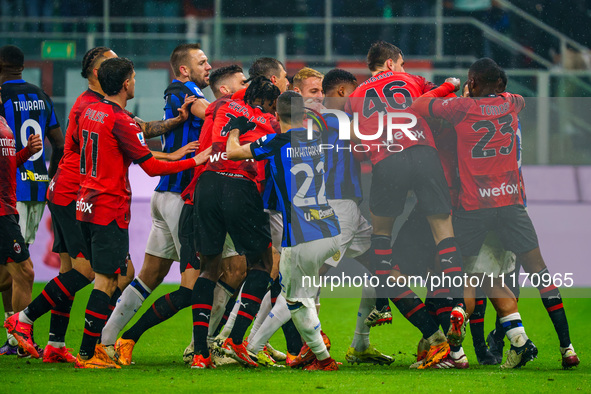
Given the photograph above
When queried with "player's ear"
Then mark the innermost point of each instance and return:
(224, 90)
(341, 91)
(273, 79)
(183, 71)
(389, 64)
(297, 90)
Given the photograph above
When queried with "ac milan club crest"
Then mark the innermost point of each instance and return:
(17, 247)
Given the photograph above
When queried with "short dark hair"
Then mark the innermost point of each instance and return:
(486, 71)
(379, 52)
(266, 67)
(290, 107)
(262, 89)
(12, 56)
(179, 56)
(503, 83)
(335, 77)
(91, 58)
(219, 75)
(113, 73)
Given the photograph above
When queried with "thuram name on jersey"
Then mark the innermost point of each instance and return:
(29, 105)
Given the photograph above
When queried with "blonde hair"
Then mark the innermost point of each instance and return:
(305, 73)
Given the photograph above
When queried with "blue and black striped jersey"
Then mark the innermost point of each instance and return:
(28, 109)
(189, 131)
(297, 164)
(342, 170)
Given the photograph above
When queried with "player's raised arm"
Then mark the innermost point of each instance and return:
(234, 150)
(422, 104)
(159, 127)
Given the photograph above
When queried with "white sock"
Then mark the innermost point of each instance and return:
(56, 344)
(128, 304)
(516, 334)
(261, 315)
(317, 301)
(232, 318)
(366, 305)
(22, 316)
(220, 298)
(458, 354)
(276, 318)
(307, 322)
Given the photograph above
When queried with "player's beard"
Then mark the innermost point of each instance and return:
(198, 80)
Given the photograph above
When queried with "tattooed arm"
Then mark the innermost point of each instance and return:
(159, 127)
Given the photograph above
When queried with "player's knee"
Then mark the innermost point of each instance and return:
(23, 273)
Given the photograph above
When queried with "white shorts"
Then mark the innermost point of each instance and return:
(276, 223)
(492, 258)
(229, 250)
(356, 231)
(29, 217)
(163, 240)
(299, 265)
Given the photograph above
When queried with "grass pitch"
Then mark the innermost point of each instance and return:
(159, 366)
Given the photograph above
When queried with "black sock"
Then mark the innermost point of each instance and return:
(381, 262)
(499, 331)
(229, 306)
(430, 305)
(477, 321)
(275, 291)
(113, 300)
(413, 309)
(552, 300)
(255, 286)
(381, 303)
(94, 321)
(202, 300)
(60, 289)
(293, 339)
(443, 306)
(450, 260)
(162, 309)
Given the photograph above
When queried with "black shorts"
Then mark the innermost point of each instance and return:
(511, 223)
(106, 246)
(188, 257)
(417, 168)
(13, 248)
(228, 205)
(414, 249)
(67, 237)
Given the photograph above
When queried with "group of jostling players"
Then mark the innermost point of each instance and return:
(259, 190)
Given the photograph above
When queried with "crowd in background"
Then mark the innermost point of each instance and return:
(569, 17)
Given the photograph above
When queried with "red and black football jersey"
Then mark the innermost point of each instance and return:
(204, 143)
(63, 188)
(389, 92)
(110, 140)
(486, 148)
(8, 173)
(265, 124)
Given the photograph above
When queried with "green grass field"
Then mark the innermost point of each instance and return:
(159, 366)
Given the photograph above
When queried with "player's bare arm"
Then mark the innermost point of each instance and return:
(159, 127)
(198, 108)
(56, 138)
(177, 154)
(234, 150)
